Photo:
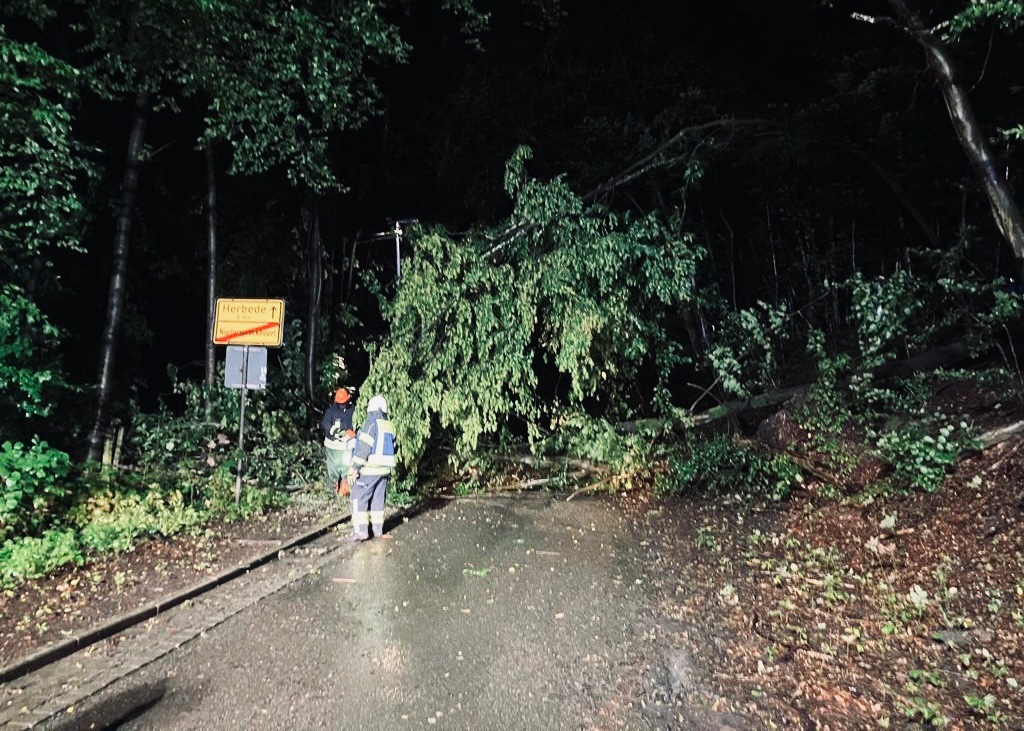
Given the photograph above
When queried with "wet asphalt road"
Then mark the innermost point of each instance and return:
(492, 613)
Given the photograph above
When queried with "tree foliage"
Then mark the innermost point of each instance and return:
(276, 79)
(42, 168)
(1007, 15)
(28, 354)
(41, 163)
(281, 77)
(572, 289)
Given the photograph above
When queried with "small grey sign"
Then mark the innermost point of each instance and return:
(245, 367)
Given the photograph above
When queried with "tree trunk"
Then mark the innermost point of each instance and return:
(351, 271)
(694, 329)
(931, 360)
(315, 268)
(972, 138)
(115, 298)
(211, 274)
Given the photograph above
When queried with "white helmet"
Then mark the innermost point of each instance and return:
(377, 403)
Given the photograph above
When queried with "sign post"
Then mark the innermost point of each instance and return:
(245, 368)
(241, 324)
(241, 431)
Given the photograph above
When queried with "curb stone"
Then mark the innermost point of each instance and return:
(59, 688)
(77, 642)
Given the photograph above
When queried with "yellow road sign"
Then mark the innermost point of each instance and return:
(248, 322)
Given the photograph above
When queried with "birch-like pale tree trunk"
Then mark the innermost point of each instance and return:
(1005, 210)
(118, 277)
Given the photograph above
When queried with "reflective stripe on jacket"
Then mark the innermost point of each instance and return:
(342, 443)
(375, 448)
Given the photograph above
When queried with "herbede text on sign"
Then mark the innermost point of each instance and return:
(249, 322)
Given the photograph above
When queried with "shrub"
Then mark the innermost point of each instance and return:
(719, 465)
(746, 354)
(111, 521)
(921, 453)
(597, 440)
(29, 557)
(33, 484)
(220, 502)
(28, 368)
(196, 450)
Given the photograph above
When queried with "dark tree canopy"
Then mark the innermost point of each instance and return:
(784, 153)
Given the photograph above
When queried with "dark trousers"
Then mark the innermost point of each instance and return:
(368, 494)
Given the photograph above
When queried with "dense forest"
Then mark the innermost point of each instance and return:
(604, 232)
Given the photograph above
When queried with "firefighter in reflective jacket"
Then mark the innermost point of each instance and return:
(372, 463)
(339, 439)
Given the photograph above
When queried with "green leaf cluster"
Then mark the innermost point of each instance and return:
(41, 163)
(921, 453)
(28, 362)
(572, 291)
(31, 557)
(113, 521)
(33, 485)
(42, 167)
(113, 516)
(1008, 15)
(719, 465)
(281, 76)
(745, 354)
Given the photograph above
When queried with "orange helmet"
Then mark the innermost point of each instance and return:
(341, 396)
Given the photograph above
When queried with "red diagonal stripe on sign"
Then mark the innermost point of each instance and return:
(242, 333)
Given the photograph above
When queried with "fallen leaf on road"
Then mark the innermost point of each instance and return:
(342, 580)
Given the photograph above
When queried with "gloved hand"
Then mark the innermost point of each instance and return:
(352, 477)
(343, 488)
